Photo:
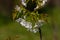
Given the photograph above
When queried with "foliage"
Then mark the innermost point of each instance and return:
(30, 14)
(25, 12)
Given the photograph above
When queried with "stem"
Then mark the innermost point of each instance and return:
(40, 33)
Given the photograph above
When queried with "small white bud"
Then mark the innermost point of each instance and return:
(23, 3)
(17, 8)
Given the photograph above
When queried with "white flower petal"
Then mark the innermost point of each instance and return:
(43, 3)
(24, 4)
(34, 30)
(17, 8)
(28, 25)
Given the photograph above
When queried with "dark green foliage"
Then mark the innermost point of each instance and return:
(45, 9)
(31, 5)
(42, 10)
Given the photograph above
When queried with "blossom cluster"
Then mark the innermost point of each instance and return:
(28, 25)
(25, 4)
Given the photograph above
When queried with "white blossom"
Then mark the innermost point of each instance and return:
(43, 2)
(39, 23)
(35, 25)
(18, 20)
(28, 25)
(40, 4)
(35, 30)
(24, 23)
(36, 7)
(17, 8)
(23, 3)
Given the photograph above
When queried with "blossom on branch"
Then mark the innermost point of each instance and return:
(17, 8)
(28, 25)
(23, 2)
